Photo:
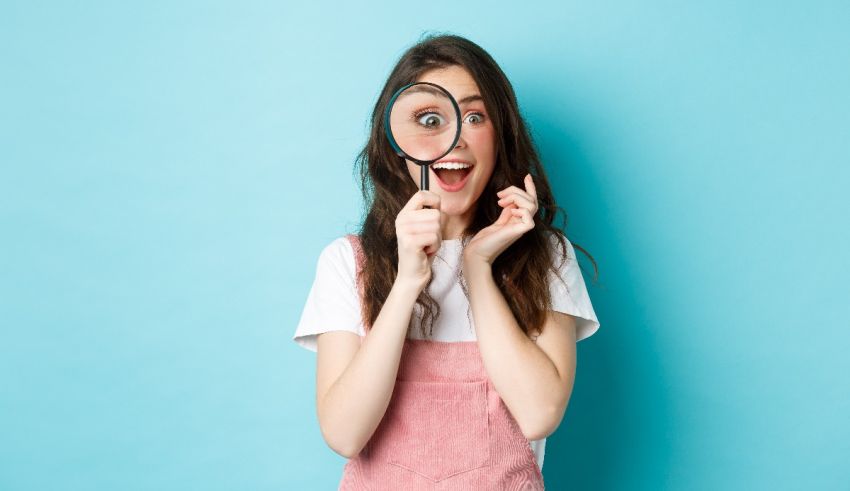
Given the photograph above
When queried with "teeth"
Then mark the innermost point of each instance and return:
(450, 165)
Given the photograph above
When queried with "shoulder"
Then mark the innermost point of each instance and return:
(338, 254)
(568, 290)
(338, 247)
(561, 254)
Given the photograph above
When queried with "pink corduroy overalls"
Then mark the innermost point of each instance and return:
(445, 428)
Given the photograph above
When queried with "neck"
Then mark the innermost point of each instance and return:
(456, 224)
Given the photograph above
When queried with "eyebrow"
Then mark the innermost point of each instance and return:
(470, 98)
(435, 91)
(422, 88)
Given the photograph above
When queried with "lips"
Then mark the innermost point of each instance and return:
(452, 188)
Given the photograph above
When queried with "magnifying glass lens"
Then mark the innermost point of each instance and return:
(423, 122)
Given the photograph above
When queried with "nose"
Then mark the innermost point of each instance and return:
(461, 143)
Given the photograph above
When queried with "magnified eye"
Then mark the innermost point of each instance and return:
(429, 119)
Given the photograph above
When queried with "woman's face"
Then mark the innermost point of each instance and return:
(476, 146)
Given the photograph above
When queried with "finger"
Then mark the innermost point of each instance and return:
(419, 227)
(429, 241)
(506, 214)
(421, 199)
(423, 215)
(520, 201)
(433, 244)
(525, 217)
(523, 198)
(511, 190)
(530, 187)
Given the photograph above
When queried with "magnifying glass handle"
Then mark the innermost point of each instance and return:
(423, 179)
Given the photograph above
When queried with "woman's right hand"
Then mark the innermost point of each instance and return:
(419, 234)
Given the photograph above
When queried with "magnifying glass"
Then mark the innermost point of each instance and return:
(422, 122)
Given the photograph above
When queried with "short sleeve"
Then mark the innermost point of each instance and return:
(333, 303)
(569, 292)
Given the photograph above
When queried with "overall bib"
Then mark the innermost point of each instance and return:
(446, 427)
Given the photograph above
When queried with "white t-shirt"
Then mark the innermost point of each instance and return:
(333, 303)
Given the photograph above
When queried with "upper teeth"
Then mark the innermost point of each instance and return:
(451, 165)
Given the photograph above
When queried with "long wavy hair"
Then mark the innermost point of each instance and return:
(521, 271)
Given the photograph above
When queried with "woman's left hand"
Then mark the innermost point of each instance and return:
(518, 210)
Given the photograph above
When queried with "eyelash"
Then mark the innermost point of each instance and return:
(479, 113)
(421, 112)
(418, 114)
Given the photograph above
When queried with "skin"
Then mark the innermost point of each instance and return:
(477, 145)
(354, 381)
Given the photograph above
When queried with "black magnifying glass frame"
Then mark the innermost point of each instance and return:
(423, 164)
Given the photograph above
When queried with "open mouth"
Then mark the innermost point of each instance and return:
(452, 177)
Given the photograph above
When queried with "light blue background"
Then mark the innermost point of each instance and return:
(170, 173)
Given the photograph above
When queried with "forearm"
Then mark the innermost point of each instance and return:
(523, 375)
(354, 405)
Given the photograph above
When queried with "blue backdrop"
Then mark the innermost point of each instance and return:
(171, 171)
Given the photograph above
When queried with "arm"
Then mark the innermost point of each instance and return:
(534, 380)
(354, 382)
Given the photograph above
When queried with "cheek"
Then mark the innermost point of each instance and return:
(483, 145)
(413, 170)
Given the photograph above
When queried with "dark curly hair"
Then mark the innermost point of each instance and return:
(521, 271)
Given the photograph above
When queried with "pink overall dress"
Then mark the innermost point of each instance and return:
(446, 427)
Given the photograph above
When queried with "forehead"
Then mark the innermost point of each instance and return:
(455, 79)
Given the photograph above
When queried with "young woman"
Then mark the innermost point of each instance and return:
(445, 330)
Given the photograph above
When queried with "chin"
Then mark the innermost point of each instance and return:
(452, 206)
